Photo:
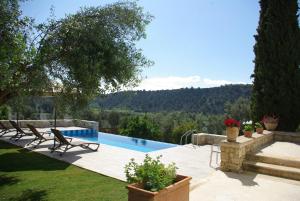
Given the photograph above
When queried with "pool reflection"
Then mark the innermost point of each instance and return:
(139, 141)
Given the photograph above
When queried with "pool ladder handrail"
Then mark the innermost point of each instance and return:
(186, 135)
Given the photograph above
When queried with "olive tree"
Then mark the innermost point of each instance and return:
(81, 55)
(94, 50)
(19, 73)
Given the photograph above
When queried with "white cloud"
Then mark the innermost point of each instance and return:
(210, 82)
(176, 82)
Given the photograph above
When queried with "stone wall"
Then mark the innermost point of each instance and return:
(59, 123)
(234, 153)
(206, 138)
(86, 124)
(287, 136)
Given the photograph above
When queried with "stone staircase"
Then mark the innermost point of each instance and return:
(286, 167)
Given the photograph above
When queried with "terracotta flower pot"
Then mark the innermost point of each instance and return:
(248, 133)
(270, 126)
(260, 130)
(232, 133)
(178, 191)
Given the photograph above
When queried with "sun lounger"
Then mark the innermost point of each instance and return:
(4, 129)
(40, 137)
(20, 132)
(63, 142)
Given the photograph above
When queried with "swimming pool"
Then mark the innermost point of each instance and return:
(132, 143)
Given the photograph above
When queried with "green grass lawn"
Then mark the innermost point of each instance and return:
(29, 176)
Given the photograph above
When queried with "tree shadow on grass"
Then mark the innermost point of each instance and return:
(24, 160)
(31, 195)
(8, 180)
(5, 145)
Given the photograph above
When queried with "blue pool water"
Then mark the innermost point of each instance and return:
(136, 144)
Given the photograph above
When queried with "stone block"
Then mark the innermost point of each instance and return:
(233, 154)
(206, 138)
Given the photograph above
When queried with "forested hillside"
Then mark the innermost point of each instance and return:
(207, 100)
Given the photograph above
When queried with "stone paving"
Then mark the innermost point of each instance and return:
(228, 186)
(249, 186)
(110, 160)
(282, 149)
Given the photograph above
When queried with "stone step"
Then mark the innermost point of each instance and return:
(275, 160)
(271, 169)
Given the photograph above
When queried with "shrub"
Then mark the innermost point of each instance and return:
(152, 174)
(141, 127)
(179, 130)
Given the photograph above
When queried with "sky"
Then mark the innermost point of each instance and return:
(193, 43)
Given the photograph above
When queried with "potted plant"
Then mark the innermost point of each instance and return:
(154, 181)
(232, 129)
(270, 122)
(259, 127)
(248, 129)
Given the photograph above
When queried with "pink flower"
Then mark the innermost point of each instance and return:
(270, 119)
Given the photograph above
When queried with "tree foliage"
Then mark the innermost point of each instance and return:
(207, 101)
(162, 126)
(180, 129)
(94, 50)
(277, 73)
(81, 55)
(239, 109)
(20, 73)
(141, 127)
(4, 111)
(114, 119)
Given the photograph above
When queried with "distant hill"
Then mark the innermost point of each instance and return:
(206, 100)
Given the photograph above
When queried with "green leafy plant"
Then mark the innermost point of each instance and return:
(152, 173)
(258, 125)
(248, 126)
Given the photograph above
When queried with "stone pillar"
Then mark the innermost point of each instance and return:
(234, 153)
(232, 156)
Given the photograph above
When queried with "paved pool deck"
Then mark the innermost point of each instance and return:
(110, 160)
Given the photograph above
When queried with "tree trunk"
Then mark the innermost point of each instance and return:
(5, 96)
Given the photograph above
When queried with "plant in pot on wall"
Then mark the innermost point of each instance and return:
(259, 128)
(248, 129)
(154, 181)
(270, 122)
(232, 129)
